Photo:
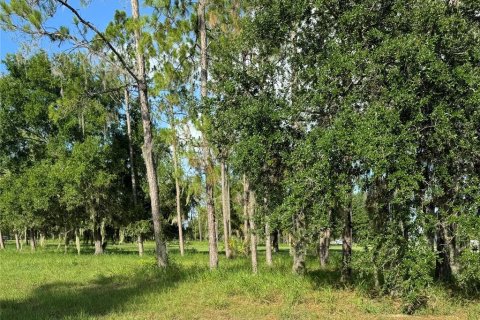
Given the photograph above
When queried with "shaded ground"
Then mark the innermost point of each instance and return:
(121, 285)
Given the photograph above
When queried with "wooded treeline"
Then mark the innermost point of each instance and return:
(243, 122)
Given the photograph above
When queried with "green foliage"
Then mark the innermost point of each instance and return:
(469, 275)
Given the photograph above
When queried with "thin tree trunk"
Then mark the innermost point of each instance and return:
(140, 245)
(77, 241)
(324, 242)
(148, 145)
(177, 191)
(253, 236)
(132, 165)
(103, 232)
(59, 241)
(200, 227)
(245, 214)
(121, 235)
(25, 241)
(97, 239)
(268, 244)
(212, 236)
(216, 228)
(228, 253)
(290, 244)
(212, 248)
(324, 246)
(2, 245)
(66, 242)
(42, 239)
(229, 209)
(298, 245)
(32, 240)
(17, 242)
(130, 147)
(443, 269)
(347, 245)
(275, 241)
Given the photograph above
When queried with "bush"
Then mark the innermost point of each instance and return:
(404, 271)
(237, 246)
(468, 277)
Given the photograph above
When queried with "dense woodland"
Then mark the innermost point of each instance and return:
(250, 123)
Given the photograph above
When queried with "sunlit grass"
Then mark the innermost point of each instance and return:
(48, 284)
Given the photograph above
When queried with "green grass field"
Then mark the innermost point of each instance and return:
(120, 285)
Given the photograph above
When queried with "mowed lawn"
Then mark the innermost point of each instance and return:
(120, 285)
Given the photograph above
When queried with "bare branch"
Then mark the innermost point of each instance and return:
(102, 36)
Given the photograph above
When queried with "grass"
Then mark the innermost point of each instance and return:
(120, 285)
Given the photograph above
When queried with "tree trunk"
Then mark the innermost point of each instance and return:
(66, 242)
(290, 244)
(245, 214)
(121, 235)
(148, 145)
(347, 244)
(177, 192)
(225, 209)
(443, 269)
(323, 246)
(17, 241)
(59, 241)
(103, 232)
(24, 241)
(42, 239)
(275, 241)
(253, 236)
(2, 245)
(130, 149)
(32, 240)
(77, 241)
(212, 236)
(97, 238)
(140, 245)
(212, 248)
(229, 209)
(298, 245)
(200, 227)
(268, 244)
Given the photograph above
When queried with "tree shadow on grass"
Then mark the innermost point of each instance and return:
(99, 297)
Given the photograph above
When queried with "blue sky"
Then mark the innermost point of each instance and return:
(99, 12)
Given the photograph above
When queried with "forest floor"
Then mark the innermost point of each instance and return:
(120, 285)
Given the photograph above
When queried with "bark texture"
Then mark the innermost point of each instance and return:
(140, 245)
(253, 236)
(323, 246)
(32, 240)
(347, 245)
(209, 170)
(177, 194)
(225, 209)
(160, 248)
(245, 215)
(17, 241)
(97, 239)
(2, 245)
(298, 245)
(268, 245)
(77, 241)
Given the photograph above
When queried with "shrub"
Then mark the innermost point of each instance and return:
(468, 277)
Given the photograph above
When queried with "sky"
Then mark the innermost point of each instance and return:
(98, 12)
